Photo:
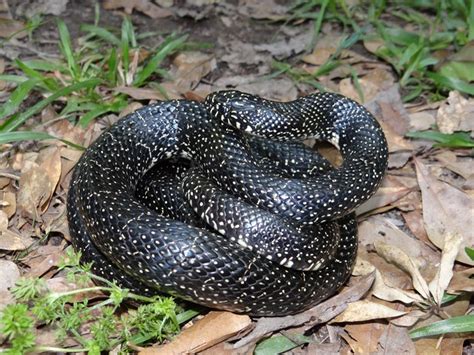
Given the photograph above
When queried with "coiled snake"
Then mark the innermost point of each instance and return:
(219, 203)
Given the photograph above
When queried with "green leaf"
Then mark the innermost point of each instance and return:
(168, 47)
(20, 119)
(65, 45)
(279, 344)
(8, 137)
(470, 252)
(454, 140)
(461, 324)
(102, 33)
(451, 83)
(17, 97)
(459, 70)
(48, 83)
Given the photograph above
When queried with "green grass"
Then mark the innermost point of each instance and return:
(81, 83)
(156, 319)
(414, 38)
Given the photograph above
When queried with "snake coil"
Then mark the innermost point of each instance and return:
(221, 204)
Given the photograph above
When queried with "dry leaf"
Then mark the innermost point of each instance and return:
(214, 328)
(383, 197)
(388, 293)
(140, 93)
(445, 272)
(395, 340)
(396, 256)
(421, 120)
(462, 281)
(9, 274)
(409, 319)
(191, 67)
(447, 211)
(361, 311)
(456, 114)
(8, 203)
(365, 335)
(461, 167)
(143, 6)
(379, 228)
(263, 9)
(10, 240)
(321, 313)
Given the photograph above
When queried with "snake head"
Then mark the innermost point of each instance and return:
(234, 108)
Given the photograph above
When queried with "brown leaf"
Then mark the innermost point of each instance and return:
(462, 167)
(395, 340)
(140, 93)
(383, 197)
(398, 257)
(445, 272)
(8, 203)
(10, 240)
(191, 67)
(456, 114)
(214, 328)
(143, 6)
(8, 27)
(361, 311)
(366, 336)
(9, 274)
(381, 229)
(447, 211)
(263, 9)
(462, 281)
(321, 313)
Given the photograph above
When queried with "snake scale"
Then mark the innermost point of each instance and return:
(219, 203)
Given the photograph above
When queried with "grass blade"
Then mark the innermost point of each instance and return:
(10, 126)
(452, 83)
(461, 324)
(169, 47)
(17, 97)
(101, 33)
(8, 137)
(454, 140)
(65, 45)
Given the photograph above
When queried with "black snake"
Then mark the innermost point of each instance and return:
(219, 203)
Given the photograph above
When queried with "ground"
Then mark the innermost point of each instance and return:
(62, 83)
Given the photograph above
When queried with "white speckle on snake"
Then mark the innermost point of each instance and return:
(220, 203)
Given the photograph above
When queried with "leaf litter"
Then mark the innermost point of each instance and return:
(413, 232)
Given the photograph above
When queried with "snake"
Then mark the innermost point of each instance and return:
(219, 202)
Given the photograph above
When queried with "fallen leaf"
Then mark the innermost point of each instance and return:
(395, 340)
(140, 93)
(361, 311)
(263, 9)
(214, 328)
(9, 274)
(381, 229)
(456, 114)
(447, 211)
(388, 293)
(321, 313)
(11, 241)
(421, 120)
(9, 27)
(409, 319)
(143, 6)
(398, 257)
(462, 167)
(445, 271)
(383, 197)
(45, 7)
(366, 336)
(8, 203)
(191, 67)
(462, 281)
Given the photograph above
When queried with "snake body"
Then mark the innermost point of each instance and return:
(220, 204)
